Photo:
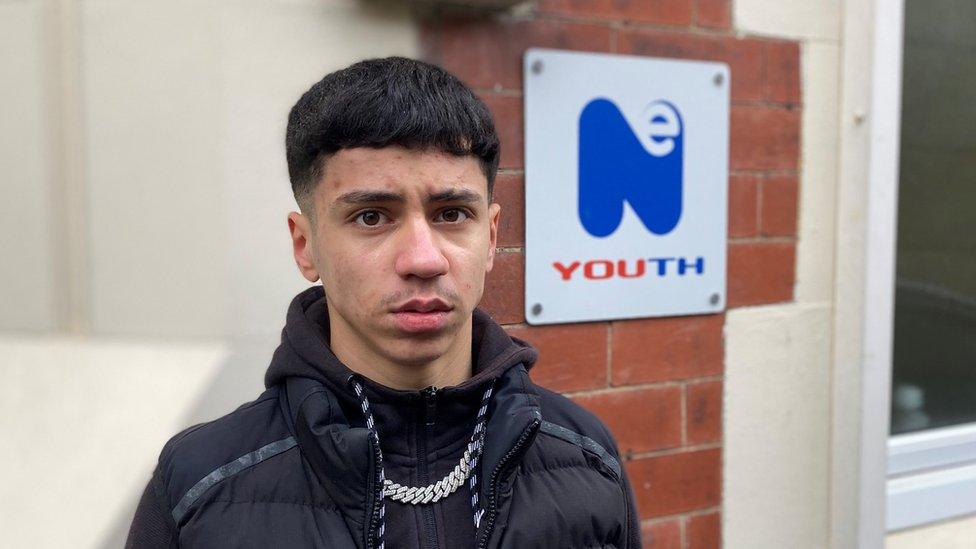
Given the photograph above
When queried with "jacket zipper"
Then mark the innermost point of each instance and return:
(492, 509)
(430, 399)
(430, 418)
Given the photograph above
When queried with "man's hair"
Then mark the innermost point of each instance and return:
(383, 102)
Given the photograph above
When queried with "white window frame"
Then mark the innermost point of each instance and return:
(928, 476)
(931, 476)
(924, 451)
(883, 123)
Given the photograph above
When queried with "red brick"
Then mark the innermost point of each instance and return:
(487, 53)
(760, 272)
(509, 193)
(714, 14)
(667, 12)
(663, 349)
(642, 420)
(572, 357)
(703, 412)
(507, 111)
(504, 295)
(779, 205)
(665, 534)
(764, 138)
(783, 72)
(743, 55)
(705, 531)
(676, 483)
(744, 205)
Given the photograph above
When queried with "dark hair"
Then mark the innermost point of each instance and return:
(383, 102)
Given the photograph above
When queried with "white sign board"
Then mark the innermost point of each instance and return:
(626, 174)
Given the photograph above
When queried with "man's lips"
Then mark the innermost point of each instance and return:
(422, 315)
(423, 306)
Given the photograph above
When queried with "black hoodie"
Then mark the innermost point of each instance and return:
(296, 468)
(422, 433)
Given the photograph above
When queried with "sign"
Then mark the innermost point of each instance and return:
(626, 178)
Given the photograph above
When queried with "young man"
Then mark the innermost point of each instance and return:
(397, 414)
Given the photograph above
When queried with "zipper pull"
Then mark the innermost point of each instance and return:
(430, 398)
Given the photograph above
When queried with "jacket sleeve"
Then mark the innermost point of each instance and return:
(152, 527)
(633, 517)
(634, 538)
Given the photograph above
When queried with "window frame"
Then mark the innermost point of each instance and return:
(930, 475)
(879, 247)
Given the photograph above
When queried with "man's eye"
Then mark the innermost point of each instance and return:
(370, 218)
(454, 215)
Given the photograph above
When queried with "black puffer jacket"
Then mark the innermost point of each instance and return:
(295, 468)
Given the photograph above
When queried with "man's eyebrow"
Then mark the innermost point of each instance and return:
(368, 197)
(463, 196)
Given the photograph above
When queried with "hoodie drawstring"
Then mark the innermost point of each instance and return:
(474, 450)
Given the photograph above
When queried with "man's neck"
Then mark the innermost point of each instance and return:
(451, 368)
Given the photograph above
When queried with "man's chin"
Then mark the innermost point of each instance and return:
(415, 358)
(419, 349)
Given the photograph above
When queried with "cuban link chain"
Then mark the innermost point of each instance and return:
(417, 495)
(432, 492)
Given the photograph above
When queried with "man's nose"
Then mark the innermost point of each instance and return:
(420, 251)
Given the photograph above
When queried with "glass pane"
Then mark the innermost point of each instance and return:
(934, 381)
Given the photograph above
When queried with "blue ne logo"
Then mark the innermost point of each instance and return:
(642, 166)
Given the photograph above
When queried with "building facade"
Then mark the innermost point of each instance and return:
(147, 263)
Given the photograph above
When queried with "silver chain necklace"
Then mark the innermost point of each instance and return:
(420, 495)
(417, 495)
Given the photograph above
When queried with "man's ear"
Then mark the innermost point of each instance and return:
(300, 228)
(494, 212)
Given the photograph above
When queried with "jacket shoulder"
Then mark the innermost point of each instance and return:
(560, 411)
(574, 464)
(205, 454)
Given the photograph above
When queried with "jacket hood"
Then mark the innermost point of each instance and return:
(304, 350)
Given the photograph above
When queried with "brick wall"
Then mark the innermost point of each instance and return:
(657, 383)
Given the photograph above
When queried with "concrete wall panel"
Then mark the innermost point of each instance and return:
(188, 183)
(818, 179)
(804, 19)
(777, 425)
(28, 265)
(956, 534)
(157, 224)
(85, 422)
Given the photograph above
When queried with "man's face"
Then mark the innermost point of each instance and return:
(402, 241)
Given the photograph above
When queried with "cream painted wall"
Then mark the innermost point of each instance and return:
(185, 145)
(183, 188)
(777, 406)
(84, 421)
(27, 152)
(797, 19)
(956, 534)
(779, 381)
(184, 194)
(820, 69)
(152, 126)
